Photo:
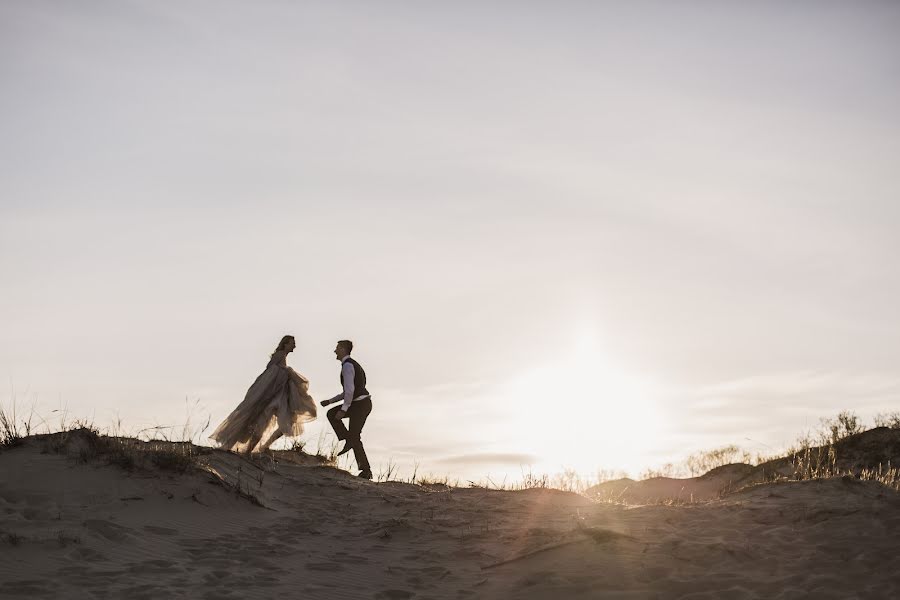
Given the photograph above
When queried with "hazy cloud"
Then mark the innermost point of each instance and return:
(488, 458)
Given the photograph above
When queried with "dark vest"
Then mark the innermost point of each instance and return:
(359, 381)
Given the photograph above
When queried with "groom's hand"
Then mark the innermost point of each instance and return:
(340, 414)
(325, 402)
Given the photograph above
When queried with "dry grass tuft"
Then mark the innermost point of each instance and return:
(890, 420)
(13, 432)
(822, 463)
(85, 444)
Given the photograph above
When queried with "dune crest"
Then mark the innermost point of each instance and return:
(872, 450)
(231, 528)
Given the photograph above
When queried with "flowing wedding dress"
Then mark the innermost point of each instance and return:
(277, 404)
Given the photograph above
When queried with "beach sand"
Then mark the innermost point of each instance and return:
(86, 529)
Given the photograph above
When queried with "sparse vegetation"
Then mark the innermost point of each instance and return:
(12, 432)
(529, 481)
(822, 463)
(891, 420)
(667, 470)
(9, 432)
(387, 472)
(815, 463)
(833, 450)
(815, 455)
(87, 445)
(842, 426)
(327, 451)
(703, 462)
(430, 481)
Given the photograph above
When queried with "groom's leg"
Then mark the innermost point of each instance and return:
(340, 430)
(359, 412)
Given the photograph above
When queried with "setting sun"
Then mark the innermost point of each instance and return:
(584, 412)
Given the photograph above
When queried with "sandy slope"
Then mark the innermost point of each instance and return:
(872, 449)
(92, 530)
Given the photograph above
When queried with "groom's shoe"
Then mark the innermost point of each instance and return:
(348, 446)
(365, 475)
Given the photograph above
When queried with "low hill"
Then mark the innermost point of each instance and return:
(82, 516)
(870, 450)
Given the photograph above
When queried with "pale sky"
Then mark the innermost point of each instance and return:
(561, 234)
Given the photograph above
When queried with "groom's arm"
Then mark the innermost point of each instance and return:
(337, 398)
(349, 374)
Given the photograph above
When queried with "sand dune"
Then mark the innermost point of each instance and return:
(877, 448)
(74, 529)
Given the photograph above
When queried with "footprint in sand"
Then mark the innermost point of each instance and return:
(35, 514)
(160, 530)
(394, 595)
(108, 530)
(325, 566)
(87, 554)
(149, 567)
(28, 588)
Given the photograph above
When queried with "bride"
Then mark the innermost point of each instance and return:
(277, 404)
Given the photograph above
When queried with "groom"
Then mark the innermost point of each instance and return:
(357, 404)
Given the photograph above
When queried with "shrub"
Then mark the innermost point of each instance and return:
(703, 462)
(667, 470)
(891, 420)
(845, 424)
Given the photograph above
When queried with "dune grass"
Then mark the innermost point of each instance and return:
(829, 452)
(814, 455)
(86, 444)
(12, 430)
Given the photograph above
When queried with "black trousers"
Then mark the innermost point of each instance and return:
(357, 413)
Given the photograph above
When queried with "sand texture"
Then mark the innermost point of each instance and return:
(77, 527)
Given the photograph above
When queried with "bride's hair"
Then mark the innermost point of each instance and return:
(282, 344)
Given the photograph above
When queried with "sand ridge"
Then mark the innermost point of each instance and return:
(92, 530)
(874, 449)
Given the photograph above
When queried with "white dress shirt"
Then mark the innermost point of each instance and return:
(349, 374)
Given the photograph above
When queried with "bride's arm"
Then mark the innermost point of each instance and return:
(297, 375)
(279, 359)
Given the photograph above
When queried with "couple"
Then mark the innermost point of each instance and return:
(278, 404)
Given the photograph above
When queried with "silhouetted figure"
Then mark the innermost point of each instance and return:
(356, 404)
(277, 404)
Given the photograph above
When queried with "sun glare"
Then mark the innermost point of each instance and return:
(584, 412)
